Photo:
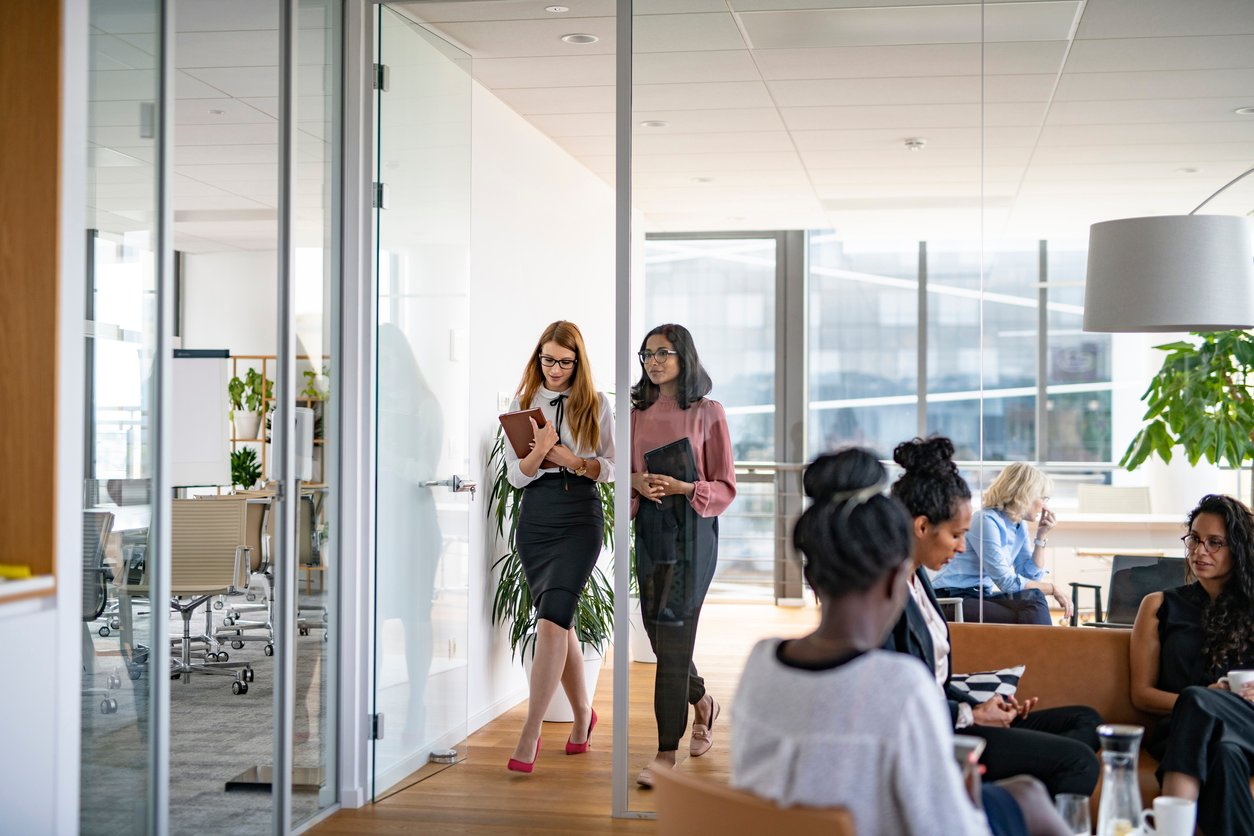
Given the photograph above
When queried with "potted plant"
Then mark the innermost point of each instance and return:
(1200, 401)
(511, 603)
(248, 396)
(245, 469)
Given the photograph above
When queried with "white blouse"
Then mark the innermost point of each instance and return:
(604, 453)
(936, 627)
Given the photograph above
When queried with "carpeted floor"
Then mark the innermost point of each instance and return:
(214, 736)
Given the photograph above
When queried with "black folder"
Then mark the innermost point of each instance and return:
(674, 460)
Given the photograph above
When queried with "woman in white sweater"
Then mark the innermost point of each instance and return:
(829, 719)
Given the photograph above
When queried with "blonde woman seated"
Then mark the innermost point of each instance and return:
(831, 720)
(1003, 562)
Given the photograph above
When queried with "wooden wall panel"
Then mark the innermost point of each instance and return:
(30, 103)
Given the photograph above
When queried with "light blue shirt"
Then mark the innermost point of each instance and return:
(1007, 551)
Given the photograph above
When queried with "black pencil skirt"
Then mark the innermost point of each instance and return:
(560, 527)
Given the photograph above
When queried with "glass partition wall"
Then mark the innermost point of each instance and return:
(942, 163)
(424, 489)
(207, 731)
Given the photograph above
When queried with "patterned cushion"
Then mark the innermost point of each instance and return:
(983, 685)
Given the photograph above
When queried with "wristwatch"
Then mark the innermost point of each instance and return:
(1040, 541)
(582, 469)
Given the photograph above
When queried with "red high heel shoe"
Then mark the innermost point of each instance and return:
(525, 766)
(580, 748)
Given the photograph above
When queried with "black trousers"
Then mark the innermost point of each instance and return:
(676, 553)
(1026, 607)
(1212, 739)
(1056, 745)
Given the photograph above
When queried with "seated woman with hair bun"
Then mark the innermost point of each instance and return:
(829, 719)
(1056, 745)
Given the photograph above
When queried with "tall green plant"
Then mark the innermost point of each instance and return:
(1200, 401)
(512, 604)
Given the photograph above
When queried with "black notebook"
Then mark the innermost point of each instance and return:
(674, 460)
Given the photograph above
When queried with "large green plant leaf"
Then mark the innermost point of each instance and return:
(1199, 402)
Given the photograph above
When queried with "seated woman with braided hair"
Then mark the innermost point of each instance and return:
(829, 719)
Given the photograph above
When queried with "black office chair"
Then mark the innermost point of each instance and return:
(1132, 577)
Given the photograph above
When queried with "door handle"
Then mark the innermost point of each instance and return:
(454, 483)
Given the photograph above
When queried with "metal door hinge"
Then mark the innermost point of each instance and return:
(379, 196)
(381, 77)
(376, 726)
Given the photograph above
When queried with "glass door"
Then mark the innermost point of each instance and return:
(423, 503)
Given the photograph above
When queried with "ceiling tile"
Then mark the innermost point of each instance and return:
(562, 71)
(941, 24)
(1147, 111)
(729, 94)
(1128, 54)
(685, 33)
(937, 138)
(913, 117)
(1158, 134)
(527, 38)
(685, 67)
(1176, 84)
(548, 100)
(1161, 18)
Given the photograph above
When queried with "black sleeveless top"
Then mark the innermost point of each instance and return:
(1180, 637)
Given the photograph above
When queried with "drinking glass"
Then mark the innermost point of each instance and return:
(1074, 810)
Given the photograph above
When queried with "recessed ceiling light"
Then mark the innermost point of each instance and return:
(915, 143)
(1187, 170)
(557, 10)
(703, 179)
(654, 123)
(216, 112)
(580, 38)
(1245, 111)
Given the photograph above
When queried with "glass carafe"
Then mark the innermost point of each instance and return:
(1120, 807)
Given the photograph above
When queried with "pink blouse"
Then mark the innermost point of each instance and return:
(705, 424)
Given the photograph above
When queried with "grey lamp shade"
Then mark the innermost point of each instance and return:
(1170, 273)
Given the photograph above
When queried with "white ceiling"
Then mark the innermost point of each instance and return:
(1040, 117)
(795, 113)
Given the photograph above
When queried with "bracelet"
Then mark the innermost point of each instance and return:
(1040, 541)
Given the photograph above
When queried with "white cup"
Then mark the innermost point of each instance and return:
(1170, 817)
(1237, 680)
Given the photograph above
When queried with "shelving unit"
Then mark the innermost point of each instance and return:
(265, 363)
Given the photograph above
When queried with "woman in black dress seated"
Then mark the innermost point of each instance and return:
(560, 521)
(1184, 640)
(1056, 745)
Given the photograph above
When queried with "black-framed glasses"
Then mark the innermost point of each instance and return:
(661, 356)
(548, 362)
(1210, 545)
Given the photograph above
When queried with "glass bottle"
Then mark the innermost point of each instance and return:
(1120, 807)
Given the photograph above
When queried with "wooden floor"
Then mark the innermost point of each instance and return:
(572, 794)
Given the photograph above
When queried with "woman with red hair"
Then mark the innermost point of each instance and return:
(560, 522)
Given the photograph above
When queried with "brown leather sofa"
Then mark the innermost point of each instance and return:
(1065, 666)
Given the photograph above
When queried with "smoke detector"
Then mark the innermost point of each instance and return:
(915, 143)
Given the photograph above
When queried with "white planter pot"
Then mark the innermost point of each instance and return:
(246, 424)
(559, 707)
(641, 650)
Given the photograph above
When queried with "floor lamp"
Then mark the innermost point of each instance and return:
(1171, 273)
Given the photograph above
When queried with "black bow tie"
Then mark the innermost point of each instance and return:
(559, 402)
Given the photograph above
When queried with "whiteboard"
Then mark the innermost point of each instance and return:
(200, 447)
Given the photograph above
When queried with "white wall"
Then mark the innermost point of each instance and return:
(542, 248)
(230, 300)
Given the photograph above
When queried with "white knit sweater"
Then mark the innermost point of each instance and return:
(871, 735)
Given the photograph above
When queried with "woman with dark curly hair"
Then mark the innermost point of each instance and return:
(1184, 640)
